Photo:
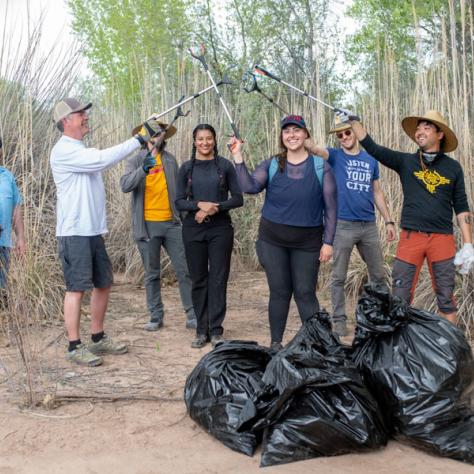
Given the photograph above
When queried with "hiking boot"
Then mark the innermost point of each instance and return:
(200, 341)
(276, 346)
(107, 346)
(153, 325)
(340, 328)
(83, 356)
(191, 323)
(217, 339)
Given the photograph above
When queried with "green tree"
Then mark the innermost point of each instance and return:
(408, 29)
(124, 39)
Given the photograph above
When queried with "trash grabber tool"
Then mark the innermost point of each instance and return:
(225, 80)
(250, 84)
(264, 72)
(179, 113)
(202, 60)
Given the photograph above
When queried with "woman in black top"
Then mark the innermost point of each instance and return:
(204, 184)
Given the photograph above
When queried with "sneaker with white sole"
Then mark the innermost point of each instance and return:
(107, 346)
(83, 356)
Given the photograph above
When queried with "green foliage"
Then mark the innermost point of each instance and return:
(407, 29)
(125, 39)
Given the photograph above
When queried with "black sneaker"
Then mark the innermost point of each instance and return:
(276, 346)
(217, 339)
(200, 341)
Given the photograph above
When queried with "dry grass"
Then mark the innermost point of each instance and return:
(31, 83)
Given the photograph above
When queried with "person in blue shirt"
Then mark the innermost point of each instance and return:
(10, 219)
(298, 221)
(358, 193)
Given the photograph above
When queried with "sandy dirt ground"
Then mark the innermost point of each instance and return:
(146, 429)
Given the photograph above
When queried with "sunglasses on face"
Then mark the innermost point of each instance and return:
(346, 133)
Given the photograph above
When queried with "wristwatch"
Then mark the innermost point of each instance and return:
(389, 223)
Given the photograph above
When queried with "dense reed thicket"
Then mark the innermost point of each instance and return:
(31, 83)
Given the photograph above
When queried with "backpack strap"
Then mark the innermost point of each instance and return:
(272, 169)
(318, 163)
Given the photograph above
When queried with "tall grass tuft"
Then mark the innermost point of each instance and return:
(31, 83)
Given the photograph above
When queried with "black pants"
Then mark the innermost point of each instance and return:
(290, 272)
(208, 250)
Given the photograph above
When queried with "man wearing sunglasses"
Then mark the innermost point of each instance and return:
(433, 189)
(358, 193)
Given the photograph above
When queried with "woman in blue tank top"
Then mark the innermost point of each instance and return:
(298, 221)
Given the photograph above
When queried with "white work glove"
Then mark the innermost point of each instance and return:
(346, 116)
(464, 259)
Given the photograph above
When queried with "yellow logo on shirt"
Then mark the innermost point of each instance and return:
(431, 179)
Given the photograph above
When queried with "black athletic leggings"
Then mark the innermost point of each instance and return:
(290, 272)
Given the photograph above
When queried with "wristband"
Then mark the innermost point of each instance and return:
(389, 223)
(140, 139)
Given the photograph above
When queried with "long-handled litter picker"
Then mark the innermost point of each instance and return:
(250, 84)
(225, 80)
(264, 72)
(179, 113)
(202, 60)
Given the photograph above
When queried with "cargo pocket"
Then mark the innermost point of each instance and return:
(404, 280)
(443, 274)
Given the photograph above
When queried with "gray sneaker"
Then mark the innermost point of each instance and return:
(83, 356)
(340, 328)
(107, 346)
(191, 323)
(153, 325)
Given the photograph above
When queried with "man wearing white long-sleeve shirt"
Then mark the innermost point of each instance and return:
(81, 222)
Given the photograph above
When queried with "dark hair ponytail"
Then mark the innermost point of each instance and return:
(189, 183)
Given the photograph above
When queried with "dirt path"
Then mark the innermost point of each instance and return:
(143, 437)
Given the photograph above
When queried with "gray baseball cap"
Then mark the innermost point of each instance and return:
(68, 106)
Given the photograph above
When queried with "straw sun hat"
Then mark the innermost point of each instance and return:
(409, 125)
(170, 131)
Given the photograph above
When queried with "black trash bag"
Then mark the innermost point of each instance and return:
(219, 386)
(419, 367)
(314, 402)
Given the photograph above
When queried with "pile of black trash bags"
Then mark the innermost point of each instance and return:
(407, 376)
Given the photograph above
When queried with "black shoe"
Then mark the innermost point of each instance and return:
(340, 328)
(217, 339)
(200, 341)
(276, 346)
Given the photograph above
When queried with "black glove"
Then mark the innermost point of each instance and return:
(149, 129)
(148, 163)
(347, 116)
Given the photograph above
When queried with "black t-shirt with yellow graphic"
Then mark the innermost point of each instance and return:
(430, 191)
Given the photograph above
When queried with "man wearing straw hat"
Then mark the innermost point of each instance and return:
(433, 186)
(150, 175)
(358, 193)
(81, 222)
